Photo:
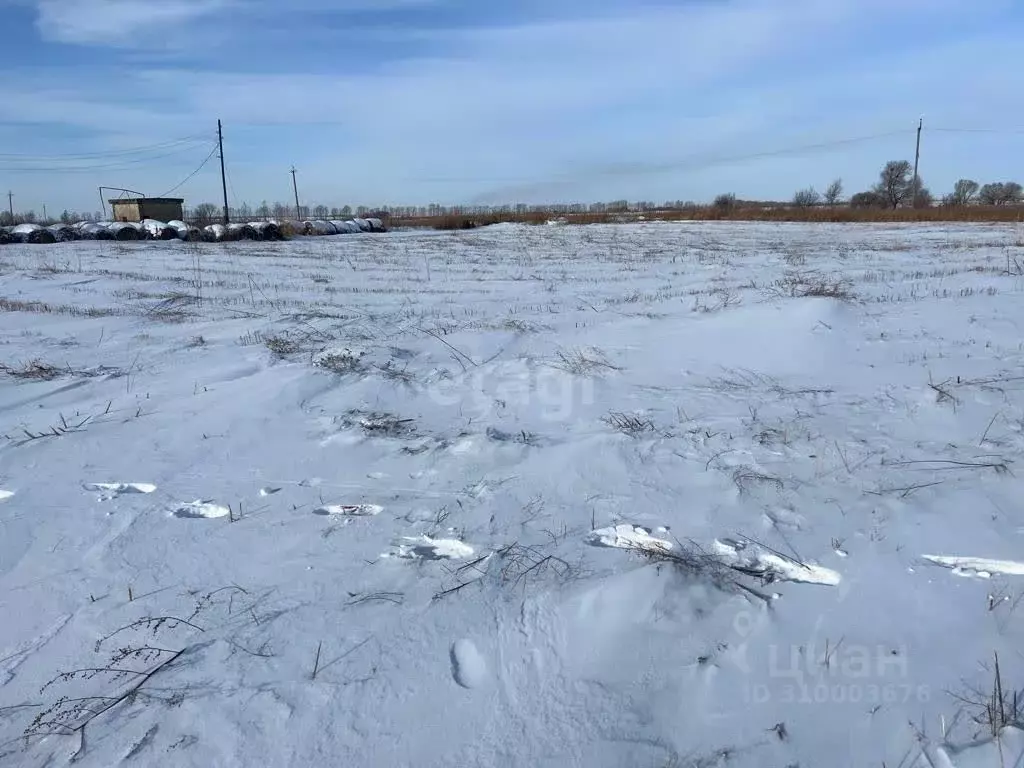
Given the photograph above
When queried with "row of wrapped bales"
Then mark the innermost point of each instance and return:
(255, 230)
(335, 227)
(151, 229)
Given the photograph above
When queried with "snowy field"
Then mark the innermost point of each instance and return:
(646, 495)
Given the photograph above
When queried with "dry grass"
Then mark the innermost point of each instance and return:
(695, 562)
(740, 212)
(35, 370)
(995, 709)
(342, 362)
(583, 362)
(801, 284)
(282, 346)
(379, 424)
(16, 305)
(628, 423)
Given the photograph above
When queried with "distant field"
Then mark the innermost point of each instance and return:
(658, 494)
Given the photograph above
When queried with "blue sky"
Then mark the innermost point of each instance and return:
(419, 101)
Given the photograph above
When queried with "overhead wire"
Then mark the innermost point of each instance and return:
(191, 175)
(120, 165)
(25, 157)
(696, 161)
(998, 131)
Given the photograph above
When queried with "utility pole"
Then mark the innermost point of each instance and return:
(295, 188)
(44, 214)
(917, 159)
(223, 175)
(10, 205)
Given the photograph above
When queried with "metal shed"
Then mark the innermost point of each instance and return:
(140, 208)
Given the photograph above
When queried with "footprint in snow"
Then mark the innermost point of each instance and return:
(468, 665)
(349, 510)
(426, 548)
(109, 491)
(201, 509)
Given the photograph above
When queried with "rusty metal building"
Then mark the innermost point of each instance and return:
(139, 208)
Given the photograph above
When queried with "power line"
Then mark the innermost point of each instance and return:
(128, 163)
(189, 177)
(111, 153)
(1004, 131)
(694, 162)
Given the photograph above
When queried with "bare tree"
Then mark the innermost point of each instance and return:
(869, 199)
(963, 192)
(725, 202)
(991, 194)
(895, 184)
(263, 211)
(346, 210)
(205, 213)
(280, 210)
(806, 198)
(1005, 193)
(834, 192)
(924, 198)
(321, 212)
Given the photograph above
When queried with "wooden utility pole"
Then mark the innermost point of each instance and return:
(223, 175)
(917, 160)
(295, 188)
(10, 205)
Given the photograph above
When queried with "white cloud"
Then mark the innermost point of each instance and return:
(589, 108)
(163, 24)
(120, 22)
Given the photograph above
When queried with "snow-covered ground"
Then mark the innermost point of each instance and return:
(555, 496)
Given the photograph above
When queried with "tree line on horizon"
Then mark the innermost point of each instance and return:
(895, 188)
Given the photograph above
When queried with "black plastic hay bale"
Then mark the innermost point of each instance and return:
(215, 233)
(5, 236)
(33, 233)
(321, 228)
(123, 231)
(90, 231)
(158, 230)
(267, 230)
(242, 232)
(64, 233)
(185, 232)
(290, 228)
